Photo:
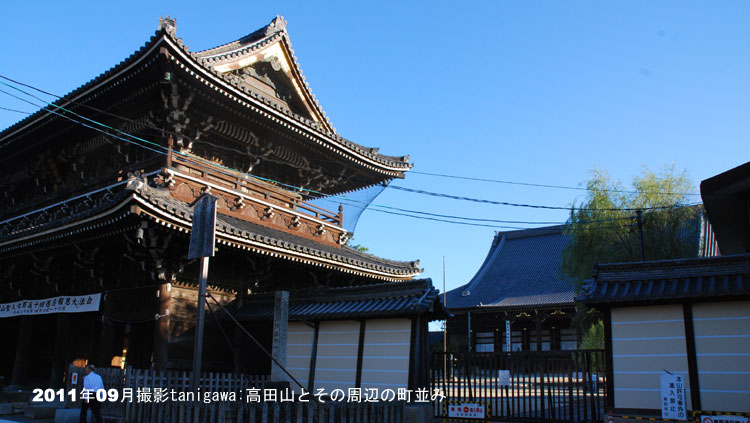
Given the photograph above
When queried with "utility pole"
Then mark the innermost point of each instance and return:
(445, 328)
(639, 216)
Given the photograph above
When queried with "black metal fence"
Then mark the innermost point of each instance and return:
(545, 386)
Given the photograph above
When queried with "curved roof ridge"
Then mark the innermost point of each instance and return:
(325, 128)
(167, 31)
(541, 231)
(271, 33)
(408, 263)
(497, 245)
(277, 24)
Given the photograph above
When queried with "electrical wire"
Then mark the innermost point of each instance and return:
(344, 199)
(535, 206)
(442, 175)
(528, 184)
(14, 110)
(412, 171)
(349, 201)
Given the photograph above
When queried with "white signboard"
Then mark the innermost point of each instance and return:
(467, 410)
(507, 335)
(62, 304)
(673, 397)
(503, 377)
(724, 419)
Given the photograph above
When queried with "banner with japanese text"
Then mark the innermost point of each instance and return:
(62, 304)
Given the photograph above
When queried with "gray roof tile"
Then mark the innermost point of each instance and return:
(669, 280)
(522, 269)
(381, 300)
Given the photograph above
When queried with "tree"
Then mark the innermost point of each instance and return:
(604, 228)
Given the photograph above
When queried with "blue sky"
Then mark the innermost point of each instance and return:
(538, 92)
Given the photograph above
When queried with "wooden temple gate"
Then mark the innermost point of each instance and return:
(545, 386)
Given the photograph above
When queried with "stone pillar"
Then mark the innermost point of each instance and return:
(23, 349)
(60, 357)
(161, 327)
(280, 325)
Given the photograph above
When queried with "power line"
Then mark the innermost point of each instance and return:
(14, 110)
(443, 175)
(196, 160)
(377, 208)
(534, 206)
(528, 184)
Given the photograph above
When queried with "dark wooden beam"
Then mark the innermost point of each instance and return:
(313, 359)
(538, 329)
(23, 349)
(161, 327)
(412, 350)
(105, 346)
(610, 385)
(692, 359)
(60, 355)
(360, 352)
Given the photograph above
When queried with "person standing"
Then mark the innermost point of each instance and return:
(92, 383)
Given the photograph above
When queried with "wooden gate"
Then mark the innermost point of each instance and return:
(546, 386)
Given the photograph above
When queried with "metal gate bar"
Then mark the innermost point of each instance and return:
(544, 386)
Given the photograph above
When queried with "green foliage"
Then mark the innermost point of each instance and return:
(358, 247)
(601, 235)
(593, 339)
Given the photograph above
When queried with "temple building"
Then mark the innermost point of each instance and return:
(518, 287)
(95, 221)
(519, 299)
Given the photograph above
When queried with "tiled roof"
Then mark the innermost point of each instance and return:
(382, 300)
(522, 269)
(66, 218)
(293, 243)
(165, 33)
(664, 280)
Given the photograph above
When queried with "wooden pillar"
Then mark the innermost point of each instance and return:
(105, 346)
(280, 326)
(468, 329)
(538, 328)
(237, 338)
(692, 358)
(23, 349)
(60, 353)
(313, 358)
(94, 338)
(360, 353)
(161, 327)
(608, 359)
(414, 353)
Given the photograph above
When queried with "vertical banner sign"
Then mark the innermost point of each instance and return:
(202, 240)
(507, 335)
(203, 233)
(673, 397)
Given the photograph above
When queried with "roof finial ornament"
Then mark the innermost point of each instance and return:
(278, 24)
(169, 25)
